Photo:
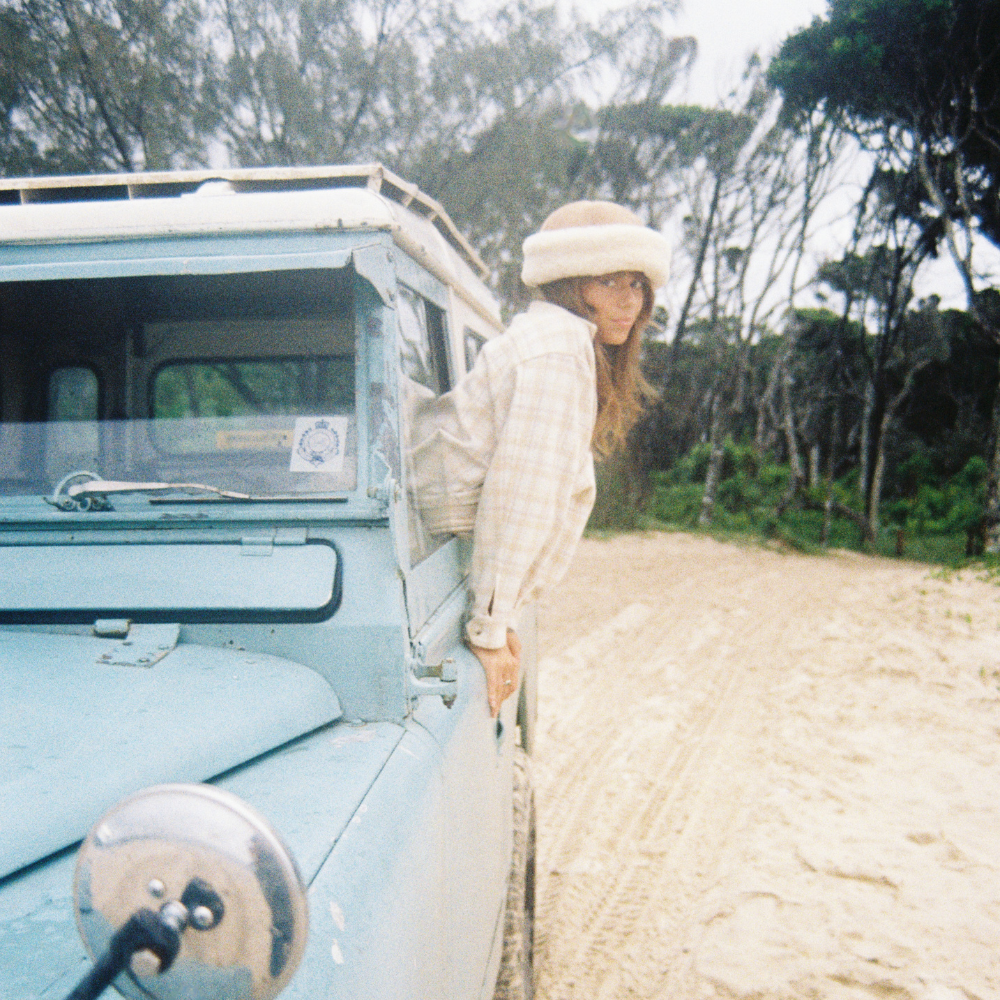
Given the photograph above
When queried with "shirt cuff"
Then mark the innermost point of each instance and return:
(486, 632)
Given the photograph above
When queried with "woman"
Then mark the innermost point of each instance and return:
(510, 457)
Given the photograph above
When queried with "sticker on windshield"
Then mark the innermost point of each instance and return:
(318, 444)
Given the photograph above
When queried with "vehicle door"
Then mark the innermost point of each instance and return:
(476, 749)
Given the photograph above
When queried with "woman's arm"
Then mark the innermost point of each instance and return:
(532, 509)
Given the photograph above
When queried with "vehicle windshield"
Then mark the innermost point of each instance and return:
(245, 382)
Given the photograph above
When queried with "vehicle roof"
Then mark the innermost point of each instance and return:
(99, 207)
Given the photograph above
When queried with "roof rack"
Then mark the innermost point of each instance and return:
(173, 183)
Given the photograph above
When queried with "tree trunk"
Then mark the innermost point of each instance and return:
(964, 266)
(814, 463)
(824, 537)
(765, 410)
(779, 371)
(831, 469)
(788, 425)
(889, 409)
(991, 509)
(699, 264)
(715, 457)
(843, 510)
(864, 457)
(797, 479)
(875, 493)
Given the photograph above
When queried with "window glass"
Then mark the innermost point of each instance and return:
(223, 394)
(290, 386)
(423, 342)
(201, 407)
(242, 381)
(473, 343)
(424, 375)
(437, 336)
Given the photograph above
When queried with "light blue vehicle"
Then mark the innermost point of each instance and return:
(212, 571)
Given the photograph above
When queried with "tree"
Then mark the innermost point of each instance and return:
(876, 278)
(489, 115)
(918, 83)
(105, 85)
(748, 187)
(17, 153)
(910, 75)
(495, 116)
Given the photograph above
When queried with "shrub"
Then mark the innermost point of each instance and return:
(676, 503)
(955, 505)
(617, 506)
(749, 488)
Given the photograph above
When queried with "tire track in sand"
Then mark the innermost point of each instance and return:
(641, 791)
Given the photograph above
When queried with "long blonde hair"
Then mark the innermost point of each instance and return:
(622, 392)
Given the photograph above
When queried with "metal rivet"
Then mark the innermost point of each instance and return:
(202, 917)
(145, 963)
(174, 915)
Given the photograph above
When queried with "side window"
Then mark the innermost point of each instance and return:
(425, 373)
(72, 404)
(437, 334)
(423, 342)
(473, 343)
(72, 394)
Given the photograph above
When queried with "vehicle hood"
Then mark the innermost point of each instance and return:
(81, 727)
(308, 790)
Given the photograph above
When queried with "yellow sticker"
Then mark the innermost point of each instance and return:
(259, 440)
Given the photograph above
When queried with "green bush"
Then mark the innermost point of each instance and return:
(748, 490)
(914, 472)
(955, 505)
(617, 506)
(935, 515)
(677, 503)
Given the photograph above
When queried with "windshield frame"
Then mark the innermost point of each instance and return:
(375, 399)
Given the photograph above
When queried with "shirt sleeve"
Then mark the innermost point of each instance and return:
(542, 448)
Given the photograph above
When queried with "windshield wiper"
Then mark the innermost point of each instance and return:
(93, 492)
(111, 487)
(87, 491)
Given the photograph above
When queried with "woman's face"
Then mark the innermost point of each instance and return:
(616, 300)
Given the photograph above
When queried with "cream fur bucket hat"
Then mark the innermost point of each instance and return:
(591, 238)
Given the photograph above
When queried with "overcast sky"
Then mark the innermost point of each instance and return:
(727, 32)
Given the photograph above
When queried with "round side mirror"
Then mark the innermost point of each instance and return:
(203, 853)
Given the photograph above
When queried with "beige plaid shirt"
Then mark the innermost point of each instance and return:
(506, 457)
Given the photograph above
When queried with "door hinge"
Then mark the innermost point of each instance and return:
(440, 679)
(129, 645)
(262, 542)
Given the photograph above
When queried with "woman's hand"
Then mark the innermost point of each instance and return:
(502, 667)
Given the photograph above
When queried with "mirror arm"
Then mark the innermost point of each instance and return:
(144, 930)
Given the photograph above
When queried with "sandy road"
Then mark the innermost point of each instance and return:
(766, 775)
